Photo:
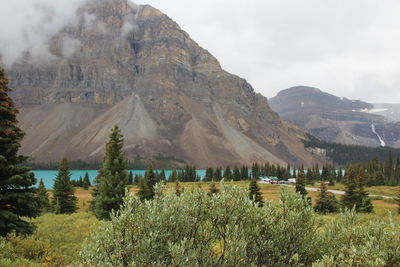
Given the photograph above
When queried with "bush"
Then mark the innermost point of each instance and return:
(196, 229)
(349, 242)
(228, 229)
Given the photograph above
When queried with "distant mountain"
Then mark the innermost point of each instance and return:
(390, 111)
(119, 63)
(336, 119)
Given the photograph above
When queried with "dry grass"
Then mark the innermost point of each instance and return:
(270, 192)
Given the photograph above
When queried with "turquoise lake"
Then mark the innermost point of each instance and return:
(49, 176)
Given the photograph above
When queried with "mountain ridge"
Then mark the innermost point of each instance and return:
(335, 119)
(134, 66)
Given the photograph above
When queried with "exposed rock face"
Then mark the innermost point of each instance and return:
(133, 66)
(335, 119)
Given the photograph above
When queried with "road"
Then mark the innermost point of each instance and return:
(338, 192)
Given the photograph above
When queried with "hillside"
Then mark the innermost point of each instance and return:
(119, 63)
(336, 119)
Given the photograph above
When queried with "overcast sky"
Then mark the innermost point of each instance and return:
(349, 48)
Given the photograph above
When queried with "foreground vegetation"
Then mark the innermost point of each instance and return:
(59, 239)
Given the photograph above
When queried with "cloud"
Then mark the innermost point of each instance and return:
(27, 25)
(69, 46)
(348, 48)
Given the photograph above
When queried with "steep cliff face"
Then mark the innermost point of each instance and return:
(335, 119)
(130, 65)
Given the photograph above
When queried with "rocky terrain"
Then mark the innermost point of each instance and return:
(336, 119)
(119, 63)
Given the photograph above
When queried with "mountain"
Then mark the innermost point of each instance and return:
(119, 63)
(336, 119)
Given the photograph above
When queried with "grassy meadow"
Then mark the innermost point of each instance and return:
(58, 239)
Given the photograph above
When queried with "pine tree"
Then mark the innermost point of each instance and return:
(64, 201)
(228, 176)
(355, 196)
(130, 178)
(162, 176)
(17, 194)
(209, 175)
(146, 185)
(212, 189)
(301, 184)
(236, 174)
(326, 201)
(86, 181)
(397, 172)
(43, 197)
(255, 193)
(151, 181)
(173, 177)
(112, 178)
(143, 190)
(389, 169)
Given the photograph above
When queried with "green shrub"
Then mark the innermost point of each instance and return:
(350, 242)
(196, 229)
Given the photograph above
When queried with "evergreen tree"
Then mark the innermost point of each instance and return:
(213, 189)
(255, 193)
(143, 190)
(236, 174)
(146, 185)
(397, 172)
(355, 196)
(17, 194)
(398, 200)
(173, 177)
(326, 201)
(389, 169)
(255, 171)
(86, 181)
(162, 176)
(43, 197)
(300, 185)
(244, 173)
(112, 178)
(228, 176)
(64, 200)
(151, 181)
(130, 177)
(209, 175)
(217, 174)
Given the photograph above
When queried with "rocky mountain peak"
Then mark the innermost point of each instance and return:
(133, 66)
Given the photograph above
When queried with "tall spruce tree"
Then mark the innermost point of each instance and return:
(17, 194)
(146, 185)
(255, 193)
(355, 195)
(64, 201)
(228, 176)
(300, 185)
(43, 197)
(236, 174)
(112, 178)
(86, 182)
(326, 202)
